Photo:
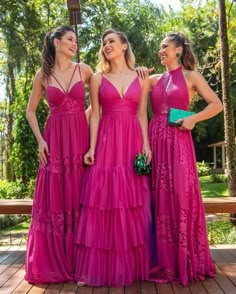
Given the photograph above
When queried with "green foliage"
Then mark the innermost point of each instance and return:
(25, 148)
(21, 227)
(221, 232)
(12, 190)
(217, 177)
(31, 187)
(141, 21)
(203, 168)
(14, 229)
(23, 25)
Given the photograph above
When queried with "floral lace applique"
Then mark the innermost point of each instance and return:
(66, 164)
(54, 222)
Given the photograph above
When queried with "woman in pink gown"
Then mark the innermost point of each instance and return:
(115, 216)
(50, 256)
(181, 239)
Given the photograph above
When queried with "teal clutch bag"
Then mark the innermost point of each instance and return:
(176, 114)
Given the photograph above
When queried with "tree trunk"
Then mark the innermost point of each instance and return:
(227, 101)
(10, 91)
(229, 128)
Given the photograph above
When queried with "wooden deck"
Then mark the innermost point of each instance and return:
(12, 278)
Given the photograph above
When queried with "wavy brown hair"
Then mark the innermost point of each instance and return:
(48, 53)
(187, 57)
(104, 65)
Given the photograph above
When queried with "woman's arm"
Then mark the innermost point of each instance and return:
(86, 72)
(198, 84)
(95, 82)
(142, 116)
(35, 96)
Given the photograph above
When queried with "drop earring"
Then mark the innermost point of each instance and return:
(178, 57)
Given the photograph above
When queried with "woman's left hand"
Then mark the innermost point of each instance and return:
(147, 151)
(187, 124)
(143, 71)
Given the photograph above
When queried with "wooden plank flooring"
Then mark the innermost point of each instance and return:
(12, 278)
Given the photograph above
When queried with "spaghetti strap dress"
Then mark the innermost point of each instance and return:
(115, 205)
(51, 250)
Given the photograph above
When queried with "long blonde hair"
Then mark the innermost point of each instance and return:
(104, 65)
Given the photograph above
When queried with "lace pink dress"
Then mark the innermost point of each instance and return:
(115, 214)
(181, 239)
(50, 256)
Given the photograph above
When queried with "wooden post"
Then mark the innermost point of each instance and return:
(214, 156)
(75, 19)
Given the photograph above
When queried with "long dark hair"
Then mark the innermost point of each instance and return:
(104, 64)
(48, 53)
(187, 57)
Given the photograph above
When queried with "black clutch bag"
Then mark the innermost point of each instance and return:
(176, 114)
(140, 165)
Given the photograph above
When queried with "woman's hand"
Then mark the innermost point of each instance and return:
(187, 124)
(147, 151)
(89, 157)
(43, 152)
(143, 71)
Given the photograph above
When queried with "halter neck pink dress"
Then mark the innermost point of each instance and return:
(50, 256)
(114, 220)
(181, 239)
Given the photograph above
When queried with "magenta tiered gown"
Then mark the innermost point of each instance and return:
(181, 239)
(50, 256)
(115, 216)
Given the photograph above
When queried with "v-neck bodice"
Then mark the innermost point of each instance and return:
(72, 100)
(65, 91)
(111, 100)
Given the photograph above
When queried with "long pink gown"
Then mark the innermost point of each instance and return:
(181, 239)
(51, 249)
(115, 216)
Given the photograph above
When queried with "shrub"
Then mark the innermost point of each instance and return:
(221, 232)
(12, 190)
(30, 188)
(217, 177)
(11, 220)
(203, 168)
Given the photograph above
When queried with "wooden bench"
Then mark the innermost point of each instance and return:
(220, 205)
(16, 206)
(212, 205)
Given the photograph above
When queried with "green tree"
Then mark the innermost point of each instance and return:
(227, 101)
(23, 26)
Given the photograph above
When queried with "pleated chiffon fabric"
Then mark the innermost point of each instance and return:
(51, 250)
(115, 214)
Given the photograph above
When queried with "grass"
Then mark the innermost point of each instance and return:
(15, 235)
(211, 190)
(19, 228)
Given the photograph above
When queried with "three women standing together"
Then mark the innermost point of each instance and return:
(95, 225)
